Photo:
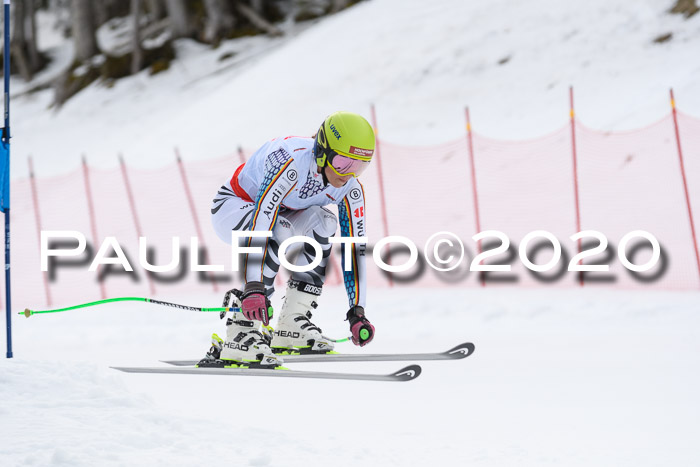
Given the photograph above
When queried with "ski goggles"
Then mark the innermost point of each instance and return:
(345, 165)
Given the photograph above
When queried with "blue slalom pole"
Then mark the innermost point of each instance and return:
(6, 196)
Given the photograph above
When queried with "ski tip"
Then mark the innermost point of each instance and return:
(409, 373)
(461, 351)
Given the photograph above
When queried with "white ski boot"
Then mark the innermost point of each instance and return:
(246, 346)
(295, 333)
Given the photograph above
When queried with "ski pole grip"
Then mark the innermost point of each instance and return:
(365, 333)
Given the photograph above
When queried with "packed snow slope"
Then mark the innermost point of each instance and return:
(419, 62)
(558, 378)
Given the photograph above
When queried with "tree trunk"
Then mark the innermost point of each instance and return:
(100, 12)
(136, 52)
(257, 20)
(155, 9)
(83, 29)
(180, 24)
(18, 45)
(219, 20)
(35, 59)
(257, 6)
(337, 5)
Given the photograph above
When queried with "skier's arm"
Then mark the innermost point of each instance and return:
(351, 214)
(279, 180)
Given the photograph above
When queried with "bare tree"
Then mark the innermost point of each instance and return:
(18, 45)
(83, 26)
(23, 43)
(101, 12)
(337, 5)
(257, 20)
(180, 23)
(136, 52)
(219, 20)
(36, 61)
(155, 9)
(257, 6)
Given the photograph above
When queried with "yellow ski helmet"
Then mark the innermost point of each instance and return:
(345, 142)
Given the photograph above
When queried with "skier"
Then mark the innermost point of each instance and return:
(283, 188)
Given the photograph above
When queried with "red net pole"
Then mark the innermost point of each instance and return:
(37, 220)
(93, 223)
(193, 210)
(134, 214)
(475, 192)
(685, 181)
(381, 183)
(572, 116)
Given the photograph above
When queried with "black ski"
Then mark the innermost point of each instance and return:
(456, 353)
(408, 373)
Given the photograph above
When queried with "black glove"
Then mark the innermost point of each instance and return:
(360, 327)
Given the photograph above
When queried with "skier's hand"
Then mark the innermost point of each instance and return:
(362, 330)
(254, 303)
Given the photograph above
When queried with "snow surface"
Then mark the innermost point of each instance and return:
(419, 62)
(558, 378)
